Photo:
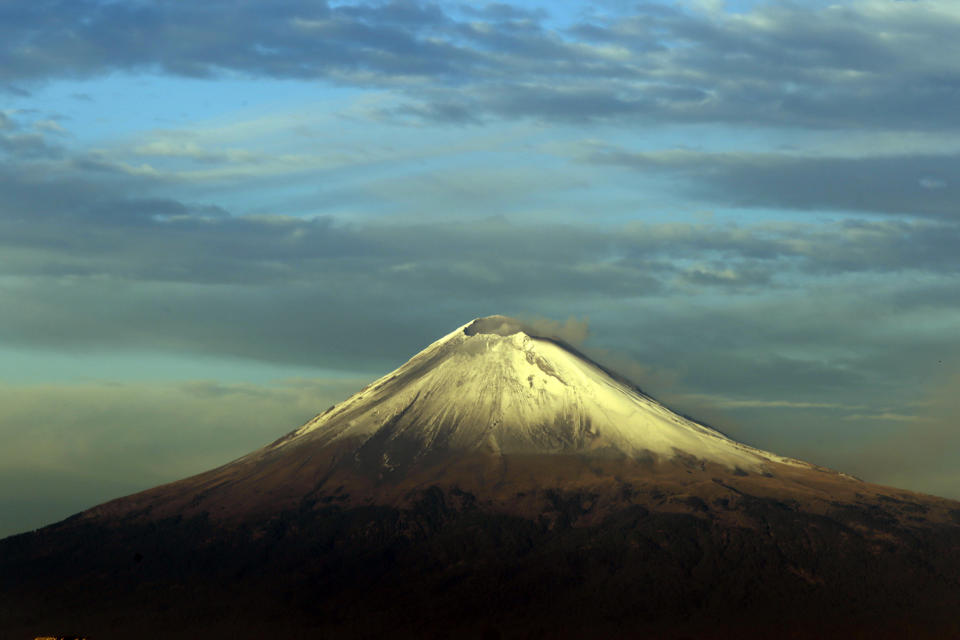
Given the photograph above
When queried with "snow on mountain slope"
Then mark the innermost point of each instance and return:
(490, 386)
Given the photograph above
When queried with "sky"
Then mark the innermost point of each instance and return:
(219, 218)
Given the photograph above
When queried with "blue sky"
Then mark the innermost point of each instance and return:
(217, 219)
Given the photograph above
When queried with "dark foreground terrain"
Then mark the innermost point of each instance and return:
(446, 566)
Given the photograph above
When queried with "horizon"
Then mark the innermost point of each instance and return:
(218, 220)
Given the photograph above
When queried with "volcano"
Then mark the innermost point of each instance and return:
(499, 484)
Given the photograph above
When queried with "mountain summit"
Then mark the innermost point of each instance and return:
(495, 386)
(500, 484)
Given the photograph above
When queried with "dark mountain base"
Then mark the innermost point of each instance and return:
(445, 568)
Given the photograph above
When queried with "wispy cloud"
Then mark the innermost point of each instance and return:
(722, 402)
(885, 416)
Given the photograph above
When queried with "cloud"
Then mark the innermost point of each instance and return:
(27, 146)
(440, 112)
(49, 126)
(862, 64)
(894, 417)
(874, 184)
(143, 270)
(15, 90)
(19, 144)
(193, 151)
(503, 12)
(928, 182)
(740, 403)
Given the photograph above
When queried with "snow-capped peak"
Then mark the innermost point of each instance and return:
(494, 386)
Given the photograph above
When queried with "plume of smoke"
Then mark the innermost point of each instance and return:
(67, 447)
(574, 332)
(925, 455)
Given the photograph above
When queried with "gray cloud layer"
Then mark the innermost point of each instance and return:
(899, 184)
(860, 65)
(138, 272)
(95, 256)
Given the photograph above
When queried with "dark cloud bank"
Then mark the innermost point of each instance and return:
(803, 309)
(896, 184)
(852, 66)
